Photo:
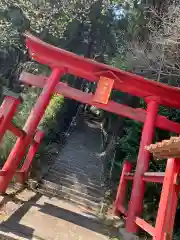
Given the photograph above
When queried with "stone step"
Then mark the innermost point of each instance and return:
(81, 179)
(91, 208)
(67, 158)
(80, 176)
(70, 182)
(54, 190)
(75, 170)
(73, 179)
(94, 171)
(77, 173)
(74, 163)
(71, 190)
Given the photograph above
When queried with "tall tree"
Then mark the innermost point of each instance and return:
(85, 27)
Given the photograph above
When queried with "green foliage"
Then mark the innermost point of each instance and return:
(129, 143)
(49, 120)
(30, 96)
(49, 125)
(120, 61)
(81, 23)
(22, 15)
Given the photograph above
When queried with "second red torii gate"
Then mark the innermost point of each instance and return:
(62, 62)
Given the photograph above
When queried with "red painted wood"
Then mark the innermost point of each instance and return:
(145, 226)
(122, 210)
(168, 202)
(138, 189)
(16, 130)
(91, 70)
(24, 171)
(7, 111)
(155, 177)
(3, 173)
(172, 211)
(34, 118)
(120, 109)
(148, 177)
(121, 192)
(129, 177)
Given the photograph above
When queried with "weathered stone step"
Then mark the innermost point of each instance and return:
(75, 169)
(94, 166)
(94, 209)
(95, 191)
(80, 176)
(52, 189)
(72, 191)
(75, 163)
(76, 179)
(73, 179)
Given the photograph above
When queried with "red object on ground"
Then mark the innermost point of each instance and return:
(61, 62)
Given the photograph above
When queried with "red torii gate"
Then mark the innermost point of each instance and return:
(62, 62)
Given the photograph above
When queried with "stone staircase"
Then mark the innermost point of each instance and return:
(77, 172)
